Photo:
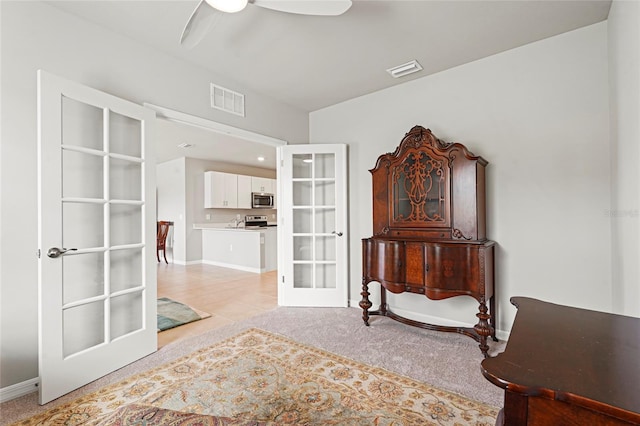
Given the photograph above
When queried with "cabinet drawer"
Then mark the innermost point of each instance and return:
(384, 260)
(451, 268)
(455, 269)
(444, 234)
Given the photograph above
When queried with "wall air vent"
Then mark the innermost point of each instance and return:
(227, 100)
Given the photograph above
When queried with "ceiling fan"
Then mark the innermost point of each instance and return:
(206, 12)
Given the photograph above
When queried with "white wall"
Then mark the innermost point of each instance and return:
(624, 72)
(539, 115)
(36, 35)
(171, 192)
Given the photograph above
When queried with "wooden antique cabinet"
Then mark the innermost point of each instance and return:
(429, 231)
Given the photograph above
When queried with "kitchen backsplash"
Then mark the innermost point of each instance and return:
(228, 215)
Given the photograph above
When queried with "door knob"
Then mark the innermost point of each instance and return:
(339, 234)
(54, 252)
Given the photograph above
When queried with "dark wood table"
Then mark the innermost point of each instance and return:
(568, 366)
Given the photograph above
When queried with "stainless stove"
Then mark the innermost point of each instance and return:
(255, 220)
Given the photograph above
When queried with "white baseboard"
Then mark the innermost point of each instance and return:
(429, 319)
(185, 263)
(222, 264)
(19, 389)
(234, 266)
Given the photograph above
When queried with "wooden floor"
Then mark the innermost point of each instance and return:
(227, 294)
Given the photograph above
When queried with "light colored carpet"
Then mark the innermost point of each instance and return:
(445, 360)
(260, 376)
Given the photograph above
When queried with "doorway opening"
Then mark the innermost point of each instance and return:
(190, 278)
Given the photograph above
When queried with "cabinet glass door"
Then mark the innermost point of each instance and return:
(420, 191)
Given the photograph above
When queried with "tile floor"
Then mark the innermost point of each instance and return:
(227, 294)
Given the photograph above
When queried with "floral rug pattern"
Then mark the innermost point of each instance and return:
(263, 377)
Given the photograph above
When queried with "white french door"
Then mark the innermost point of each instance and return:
(312, 240)
(96, 234)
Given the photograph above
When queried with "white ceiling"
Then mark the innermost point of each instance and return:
(209, 145)
(311, 62)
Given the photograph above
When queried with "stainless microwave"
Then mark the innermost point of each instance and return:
(260, 200)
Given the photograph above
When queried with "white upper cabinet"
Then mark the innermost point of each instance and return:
(220, 190)
(263, 185)
(244, 192)
(231, 191)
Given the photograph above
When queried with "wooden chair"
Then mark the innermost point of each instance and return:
(161, 239)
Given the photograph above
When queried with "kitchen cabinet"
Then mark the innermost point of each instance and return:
(263, 185)
(244, 192)
(231, 191)
(251, 250)
(220, 190)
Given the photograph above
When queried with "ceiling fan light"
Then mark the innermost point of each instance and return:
(229, 6)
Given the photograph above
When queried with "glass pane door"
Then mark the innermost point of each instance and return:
(102, 220)
(315, 220)
(314, 206)
(96, 234)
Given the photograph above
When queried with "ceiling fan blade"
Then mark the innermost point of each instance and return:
(198, 25)
(307, 7)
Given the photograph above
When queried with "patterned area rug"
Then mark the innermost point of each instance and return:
(265, 378)
(144, 415)
(173, 314)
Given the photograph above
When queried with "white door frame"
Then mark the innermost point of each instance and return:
(214, 126)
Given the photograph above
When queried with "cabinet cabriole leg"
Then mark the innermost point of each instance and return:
(483, 328)
(365, 303)
(492, 321)
(383, 300)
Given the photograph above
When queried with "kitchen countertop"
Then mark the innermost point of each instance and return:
(228, 227)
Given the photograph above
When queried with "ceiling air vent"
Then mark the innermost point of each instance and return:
(227, 100)
(405, 69)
